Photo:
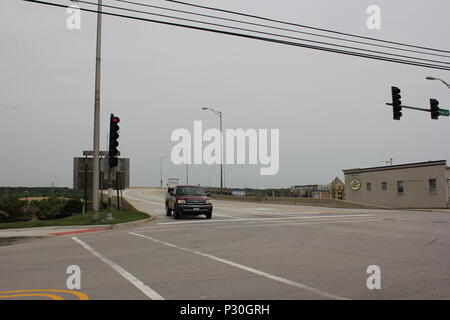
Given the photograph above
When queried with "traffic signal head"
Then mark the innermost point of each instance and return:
(434, 109)
(396, 103)
(113, 140)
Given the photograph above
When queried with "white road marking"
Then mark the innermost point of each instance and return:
(249, 269)
(222, 215)
(181, 228)
(166, 229)
(266, 219)
(134, 281)
(137, 199)
(298, 223)
(297, 213)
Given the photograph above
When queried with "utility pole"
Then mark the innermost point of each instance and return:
(96, 161)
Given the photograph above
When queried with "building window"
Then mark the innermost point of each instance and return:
(384, 186)
(369, 186)
(432, 185)
(400, 187)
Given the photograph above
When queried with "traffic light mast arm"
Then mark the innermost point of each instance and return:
(442, 112)
(408, 107)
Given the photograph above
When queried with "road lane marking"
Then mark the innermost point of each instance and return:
(298, 213)
(246, 224)
(137, 199)
(51, 296)
(246, 268)
(266, 219)
(149, 292)
(80, 295)
(222, 215)
(298, 223)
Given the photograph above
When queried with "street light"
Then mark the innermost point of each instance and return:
(219, 114)
(433, 78)
(212, 172)
(162, 158)
(187, 174)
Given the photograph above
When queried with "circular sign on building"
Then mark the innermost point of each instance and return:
(355, 184)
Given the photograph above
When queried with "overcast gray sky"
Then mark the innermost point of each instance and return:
(330, 108)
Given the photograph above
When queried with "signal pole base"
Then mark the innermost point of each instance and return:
(109, 217)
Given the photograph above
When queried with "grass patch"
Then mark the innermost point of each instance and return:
(79, 220)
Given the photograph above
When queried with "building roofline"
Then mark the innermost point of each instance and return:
(397, 166)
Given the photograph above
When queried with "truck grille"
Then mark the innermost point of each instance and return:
(195, 202)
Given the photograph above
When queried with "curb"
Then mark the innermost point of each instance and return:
(52, 231)
(130, 224)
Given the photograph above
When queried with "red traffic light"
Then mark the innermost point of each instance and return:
(116, 119)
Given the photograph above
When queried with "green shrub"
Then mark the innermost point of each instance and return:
(13, 206)
(72, 207)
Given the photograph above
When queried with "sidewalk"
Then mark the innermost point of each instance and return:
(68, 230)
(51, 231)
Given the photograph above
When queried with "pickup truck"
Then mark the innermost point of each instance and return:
(188, 200)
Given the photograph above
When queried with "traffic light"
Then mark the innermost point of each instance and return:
(396, 103)
(434, 109)
(113, 143)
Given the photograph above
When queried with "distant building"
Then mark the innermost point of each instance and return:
(412, 185)
(337, 189)
(320, 191)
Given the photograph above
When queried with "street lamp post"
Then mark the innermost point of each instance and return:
(187, 173)
(433, 78)
(212, 172)
(162, 158)
(219, 114)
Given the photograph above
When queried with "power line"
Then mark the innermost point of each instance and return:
(375, 57)
(262, 32)
(278, 28)
(304, 26)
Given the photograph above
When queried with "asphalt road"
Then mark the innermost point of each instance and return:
(247, 251)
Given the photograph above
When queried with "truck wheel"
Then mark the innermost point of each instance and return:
(176, 215)
(209, 215)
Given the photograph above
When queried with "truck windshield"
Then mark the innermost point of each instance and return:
(190, 191)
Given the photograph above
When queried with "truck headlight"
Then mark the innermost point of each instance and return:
(181, 201)
(208, 202)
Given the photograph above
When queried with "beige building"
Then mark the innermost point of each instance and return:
(413, 185)
(337, 189)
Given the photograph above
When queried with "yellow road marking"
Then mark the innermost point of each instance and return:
(51, 296)
(80, 295)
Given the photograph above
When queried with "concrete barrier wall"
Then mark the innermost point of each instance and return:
(301, 201)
